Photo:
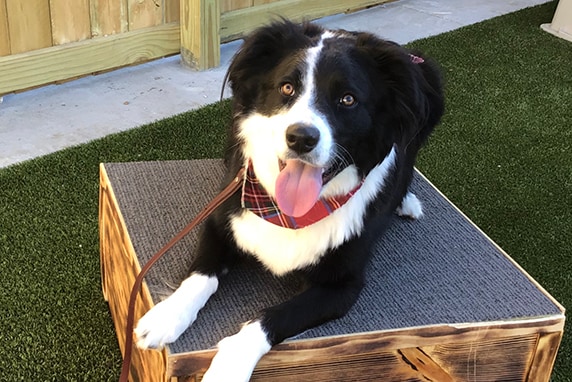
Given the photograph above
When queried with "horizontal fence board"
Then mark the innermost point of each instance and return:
(4, 33)
(62, 62)
(260, 2)
(29, 25)
(112, 46)
(70, 23)
(233, 5)
(237, 23)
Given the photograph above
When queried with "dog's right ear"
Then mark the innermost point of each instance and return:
(413, 86)
(263, 50)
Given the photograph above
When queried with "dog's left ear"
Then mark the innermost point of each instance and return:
(413, 84)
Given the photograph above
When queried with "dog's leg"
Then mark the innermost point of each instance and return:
(410, 207)
(167, 320)
(238, 355)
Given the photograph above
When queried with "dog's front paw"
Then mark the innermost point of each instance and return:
(161, 325)
(410, 207)
(167, 320)
(238, 355)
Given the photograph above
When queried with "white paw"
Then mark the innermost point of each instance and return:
(410, 207)
(167, 320)
(238, 355)
(161, 325)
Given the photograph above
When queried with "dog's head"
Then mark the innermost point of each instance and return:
(312, 104)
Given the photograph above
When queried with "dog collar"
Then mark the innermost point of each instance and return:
(257, 200)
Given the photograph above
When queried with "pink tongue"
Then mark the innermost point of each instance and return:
(298, 187)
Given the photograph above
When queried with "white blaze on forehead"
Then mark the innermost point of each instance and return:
(309, 79)
(313, 56)
(304, 109)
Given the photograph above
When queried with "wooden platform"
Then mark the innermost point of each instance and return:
(442, 303)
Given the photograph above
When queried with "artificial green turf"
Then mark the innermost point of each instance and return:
(54, 323)
(502, 154)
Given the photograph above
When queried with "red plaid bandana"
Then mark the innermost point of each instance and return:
(256, 199)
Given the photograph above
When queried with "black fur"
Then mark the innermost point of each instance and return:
(399, 103)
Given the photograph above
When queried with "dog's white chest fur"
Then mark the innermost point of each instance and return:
(283, 250)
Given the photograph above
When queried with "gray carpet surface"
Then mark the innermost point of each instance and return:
(436, 270)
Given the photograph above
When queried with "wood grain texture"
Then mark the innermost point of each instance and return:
(108, 17)
(144, 13)
(486, 359)
(240, 22)
(29, 25)
(544, 356)
(70, 23)
(472, 353)
(35, 68)
(233, 5)
(200, 33)
(4, 32)
(260, 2)
(459, 362)
(428, 369)
(172, 11)
(118, 275)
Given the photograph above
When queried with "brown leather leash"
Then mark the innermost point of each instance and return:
(226, 193)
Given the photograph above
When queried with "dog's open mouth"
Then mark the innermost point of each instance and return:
(298, 187)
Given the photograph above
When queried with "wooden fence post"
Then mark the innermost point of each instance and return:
(200, 33)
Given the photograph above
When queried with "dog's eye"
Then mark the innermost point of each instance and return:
(348, 100)
(287, 89)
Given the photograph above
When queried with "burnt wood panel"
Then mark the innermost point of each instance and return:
(516, 349)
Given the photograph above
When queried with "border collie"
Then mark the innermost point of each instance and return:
(328, 123)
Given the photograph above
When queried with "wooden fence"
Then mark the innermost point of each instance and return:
(47, 41)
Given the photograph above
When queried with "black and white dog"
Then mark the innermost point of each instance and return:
(329, 123)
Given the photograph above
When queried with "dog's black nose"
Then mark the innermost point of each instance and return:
(302, 138)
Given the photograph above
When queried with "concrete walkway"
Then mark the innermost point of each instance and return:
(47, 119)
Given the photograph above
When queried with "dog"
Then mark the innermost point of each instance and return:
(328, 124)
